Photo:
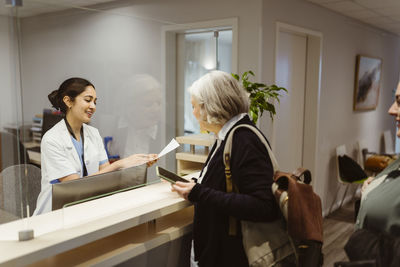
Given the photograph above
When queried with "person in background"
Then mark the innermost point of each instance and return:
(220, 103)
(135, 134)
(377, 235)
(71, 149)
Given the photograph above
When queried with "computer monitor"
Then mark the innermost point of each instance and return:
(49, 120)
(96, 185)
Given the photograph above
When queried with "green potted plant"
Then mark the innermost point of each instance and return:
(260, 95)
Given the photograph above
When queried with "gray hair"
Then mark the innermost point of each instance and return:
(220, 97)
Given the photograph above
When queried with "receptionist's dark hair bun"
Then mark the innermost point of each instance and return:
(71, 88)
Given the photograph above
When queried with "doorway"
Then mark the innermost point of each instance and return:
(289, 123)
(197, 54)
(298, 69)
(173, 81)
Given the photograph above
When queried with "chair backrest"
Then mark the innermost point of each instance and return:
(12, 150)
(348, 170)
(340, 151)
(20, 187)
(388, 140)
(361, 157)
(9, 150)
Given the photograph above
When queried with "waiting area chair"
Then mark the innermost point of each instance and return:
(348, 172)
(373, 162)
(19, 187)
(388, 142)
(12, 151)
(362, 152)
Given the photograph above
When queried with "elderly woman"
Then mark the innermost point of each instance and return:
(220, 103)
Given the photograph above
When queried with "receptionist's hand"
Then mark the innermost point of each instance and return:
(183, 189)
(153, 159)
(135, 160)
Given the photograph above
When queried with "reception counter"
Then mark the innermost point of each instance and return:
(118, 229)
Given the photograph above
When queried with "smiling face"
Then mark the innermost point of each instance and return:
(394, 110)
(83, 107)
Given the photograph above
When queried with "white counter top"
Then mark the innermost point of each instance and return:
(71, 227)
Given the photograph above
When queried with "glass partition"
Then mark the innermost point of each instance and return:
(51, 41)
(120, 48)
(13, 130)
(110, 190)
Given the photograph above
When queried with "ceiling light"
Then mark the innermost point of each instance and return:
(12, 3)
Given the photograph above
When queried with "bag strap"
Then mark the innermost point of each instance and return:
(227, 158)
(228, 146)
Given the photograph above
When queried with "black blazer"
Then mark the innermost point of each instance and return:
(252, 173)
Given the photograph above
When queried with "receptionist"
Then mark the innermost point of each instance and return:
(71, 149)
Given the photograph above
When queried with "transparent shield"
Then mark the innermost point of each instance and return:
(42, 44)
(120, 48)
(109, 198)
(13, 127)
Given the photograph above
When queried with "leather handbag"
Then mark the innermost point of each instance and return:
(303, 210)
(303, 213)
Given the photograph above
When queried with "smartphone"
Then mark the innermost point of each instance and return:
(169, 176)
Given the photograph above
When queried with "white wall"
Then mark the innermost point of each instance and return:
(7, 88)
(109, 50)
(109, 47)
(82, 43)
(343, 39)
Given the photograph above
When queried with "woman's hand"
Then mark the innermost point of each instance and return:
(183, 189)
(366, 183)
(137, 159)
(153, 159)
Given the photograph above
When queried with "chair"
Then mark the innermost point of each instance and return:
(364, 155)
(344, 173)
(12, 151)
(362, 152)
(20, 188)
(388, 141)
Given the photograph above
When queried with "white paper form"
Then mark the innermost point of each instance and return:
(171, 146)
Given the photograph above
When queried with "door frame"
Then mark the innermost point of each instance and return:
(312, 92)
(169, 69)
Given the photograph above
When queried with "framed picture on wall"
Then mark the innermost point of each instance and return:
(368, 82)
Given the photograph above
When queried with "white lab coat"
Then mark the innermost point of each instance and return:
(59, 158)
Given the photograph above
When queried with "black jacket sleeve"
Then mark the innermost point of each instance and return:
(252, 173)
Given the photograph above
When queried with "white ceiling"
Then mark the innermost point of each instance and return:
(383, 14)
(36, 7)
